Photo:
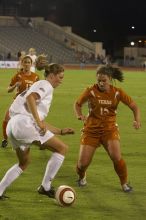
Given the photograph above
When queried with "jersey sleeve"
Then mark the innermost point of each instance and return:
(124, 98)
(40, 87)
(83, 98)
(14, 80)
(36, 77)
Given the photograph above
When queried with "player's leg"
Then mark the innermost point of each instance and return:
(4, 125)
(15, 171)
(88, 146)
(59, 150)
(14, 130)
(112, 146)
(85, 157)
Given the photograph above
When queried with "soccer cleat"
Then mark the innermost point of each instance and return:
(50, 193)
(3, 197)
(4, 143)
(82, 182)
(127, 188)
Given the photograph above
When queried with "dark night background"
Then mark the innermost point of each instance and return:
(112, 19)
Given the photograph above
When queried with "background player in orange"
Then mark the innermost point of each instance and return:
(21, 81)
(100, 125)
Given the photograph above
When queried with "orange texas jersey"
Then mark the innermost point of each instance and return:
(26, 81)
(102, 107)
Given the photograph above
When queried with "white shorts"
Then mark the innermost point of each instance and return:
(22, 131)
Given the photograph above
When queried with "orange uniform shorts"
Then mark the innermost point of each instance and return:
(100, 137)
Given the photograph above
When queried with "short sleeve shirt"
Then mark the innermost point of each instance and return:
(44, 89)
(102, 106)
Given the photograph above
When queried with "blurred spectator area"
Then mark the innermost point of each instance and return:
(57, 42)
(60, 44)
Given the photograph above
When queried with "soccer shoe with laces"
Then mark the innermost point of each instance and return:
(127, 188)
(4, 143)
(82, 182)
(50, 193)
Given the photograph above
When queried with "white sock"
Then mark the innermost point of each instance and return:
(9, 177)
(52, 168)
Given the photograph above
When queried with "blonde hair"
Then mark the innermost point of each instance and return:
(31, 50)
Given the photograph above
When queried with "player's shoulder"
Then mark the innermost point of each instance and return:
(118, 91)
(42, 83)
(115, 88)
(91, 87)
(35, 74)
(18, 74)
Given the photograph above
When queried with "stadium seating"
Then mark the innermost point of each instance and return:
(22, 38)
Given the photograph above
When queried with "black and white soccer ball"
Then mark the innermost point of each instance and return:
(65, 195)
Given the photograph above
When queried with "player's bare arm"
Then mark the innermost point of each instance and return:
(59, 131)
(11, 88)
(32, 107)
(78, 112)
(136, 113)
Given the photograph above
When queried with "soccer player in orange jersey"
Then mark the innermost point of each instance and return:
(21, 81)
(100, 127)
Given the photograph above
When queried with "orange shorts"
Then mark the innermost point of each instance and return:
(96, 140)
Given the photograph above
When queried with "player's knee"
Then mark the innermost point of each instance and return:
(64, 149)
(116, 159)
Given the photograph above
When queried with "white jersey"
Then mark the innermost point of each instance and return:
(33, 57)
(45, 91)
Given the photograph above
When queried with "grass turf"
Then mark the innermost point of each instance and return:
(102, 199)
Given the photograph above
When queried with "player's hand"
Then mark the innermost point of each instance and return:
(65, 131)
(18, 84)
(82, 118)
(43, 128)
(136, 124)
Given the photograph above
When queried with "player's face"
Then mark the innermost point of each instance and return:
(103, 82)
(57, 79)
(32, 52)
(26, 63)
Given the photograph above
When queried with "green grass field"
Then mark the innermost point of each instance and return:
(102, 199)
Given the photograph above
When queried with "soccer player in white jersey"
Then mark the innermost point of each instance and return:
(27, 126)
(32, 54)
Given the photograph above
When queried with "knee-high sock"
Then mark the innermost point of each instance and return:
(52, 168)
(9, 177)
(80, 172)
(4, 125)
(121, 170)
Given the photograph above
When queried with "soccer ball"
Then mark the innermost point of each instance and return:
(65, 195)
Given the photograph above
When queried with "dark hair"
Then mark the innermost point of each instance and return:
(26, 57)
(53, 68)
(111, 71)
